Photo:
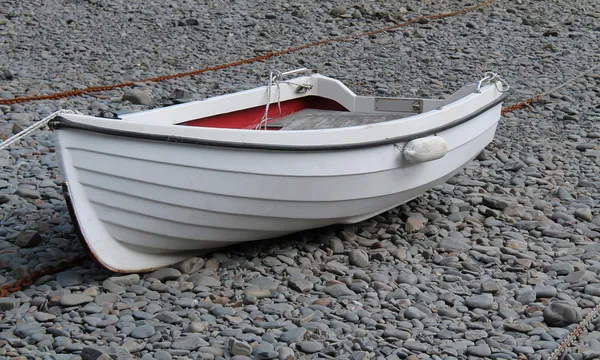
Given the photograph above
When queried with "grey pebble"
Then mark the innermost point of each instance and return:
(28, 193)
(358, 257)
(454, 244)
(474, 335)
(143, 332)
(407, 278)
(210, 351)
(416, 346)
(542, 291)
(483, 301)
(525, 296)
(524, 328)
(125, 280)
(189, 342)
(584, 214)
(137, 96)
(527, 350)
(285, 353)
(310, 347)
(414, 313)
(7, 303)
(301, 285)
(112, 287)
(162, 355)
(165, 274)
(107, 298)
(338, 10)
(293, 335)
(69, 278)
(559, 314)
(339, 290)
(237, 347)
(479, 350)
(561, 268)
(265, 351)
(75, 299)
(190, 265)
(396, 333)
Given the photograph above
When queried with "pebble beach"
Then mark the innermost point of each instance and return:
(500, 262)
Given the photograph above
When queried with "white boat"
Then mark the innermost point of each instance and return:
(150, 188)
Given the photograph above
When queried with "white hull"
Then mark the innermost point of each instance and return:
(143, 204)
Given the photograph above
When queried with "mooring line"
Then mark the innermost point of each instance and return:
(26, 281)
(538, 98)
(268, 55)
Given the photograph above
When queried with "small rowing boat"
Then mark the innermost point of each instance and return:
(150, 188)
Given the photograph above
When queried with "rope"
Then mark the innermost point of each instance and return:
(493, 78)
(274, 76)
(581, 74)
(520, 105)
(266, 56)
(26, 281)
(34, 127)
(538, 98)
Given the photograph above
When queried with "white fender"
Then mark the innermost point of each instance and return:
(425, 149)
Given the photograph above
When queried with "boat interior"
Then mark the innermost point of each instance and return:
(307, 103)
(307, 113)
(318, 112)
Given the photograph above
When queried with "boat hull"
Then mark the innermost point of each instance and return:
(144, 204)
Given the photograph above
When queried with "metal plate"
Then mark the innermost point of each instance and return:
(413, 106)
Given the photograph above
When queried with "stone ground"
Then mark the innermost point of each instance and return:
(500, 262)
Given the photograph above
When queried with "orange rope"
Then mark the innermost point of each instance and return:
(266, 56)
(520, 105)
(26, 281)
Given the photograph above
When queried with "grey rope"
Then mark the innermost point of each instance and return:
(34, 127)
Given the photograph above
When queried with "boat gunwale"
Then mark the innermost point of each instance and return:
(60, 122)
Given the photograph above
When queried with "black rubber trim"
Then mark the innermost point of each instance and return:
(60, 122)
